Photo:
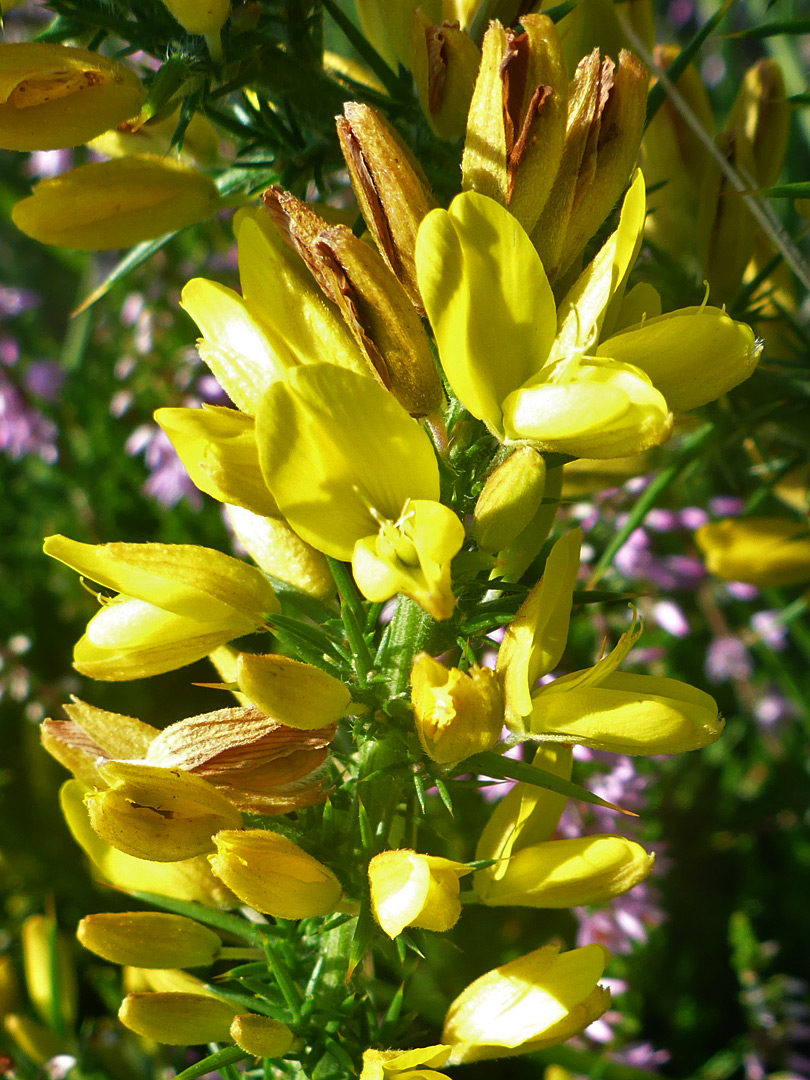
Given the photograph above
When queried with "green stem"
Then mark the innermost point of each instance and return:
(233, 953)
(408, 633)
(354, 617)
(289, 990)
(228, 1056)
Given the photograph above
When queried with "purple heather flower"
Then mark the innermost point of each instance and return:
(624, 923)
(23, 428)
(15, 301)
(768, 626)
(670, 617)
(44, 379)
(772, 709)
(692, 517)
(727, 658)
(169, 482)
(726, 505)
(661, 520)
(45, 164)
(680, 12)
(741, 590)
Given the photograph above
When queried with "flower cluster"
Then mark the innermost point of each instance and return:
(397, 510)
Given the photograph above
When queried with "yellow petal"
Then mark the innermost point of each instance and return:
(487, 296)
(336, 449)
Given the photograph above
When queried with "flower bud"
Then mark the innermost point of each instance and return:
(569, 873)
(764, 551)
(538, 1000)
(292, 693)
(200, 16)
(762, 112)
(46, 951)
(510, 499)
(259, 765)
(409, 889)
(281, 553)
(445, 62)
(373, 304)
(274, 875)
(218, 448)
(163, 815)
(390, 186)
(177, 1019)
(693, 355)
(261, 1036)
(149, 939)
(674, 158)
(408, 1064)
(457, 713)
(117, 203)
(606, 114)
(517, 119)
(55, 96)
(189, 879)
(725, 226)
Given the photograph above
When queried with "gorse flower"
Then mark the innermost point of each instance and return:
(563, 383)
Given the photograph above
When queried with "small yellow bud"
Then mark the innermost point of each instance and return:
(725, 227)
(292, 693)
(176, 1018)
(457, 713)
(9, 985)
(762, 112)
(391, 188)
(46, 948)
(117, 203)
(407, 1064)
(200, 139)
(149, 939)
(218, 448)
(261, 1036)
(511, 497)
(162, 815)
(409, 889)
(388, 25)
(274, 875)
(762, 551)
(54, 96)
(445, 62)
(200, 16)
(538, 1000)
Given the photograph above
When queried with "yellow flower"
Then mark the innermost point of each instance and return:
(554, 385)
(599, 707)
(409, 889)
(408, 1064)
(274, 875)
(357, 478)
(158, 814)
(118, 203)
(176, 603)
(456, 713)
(294, 694)
(50, 972)
(54, 96)
(765, 551)
(539, 1000)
